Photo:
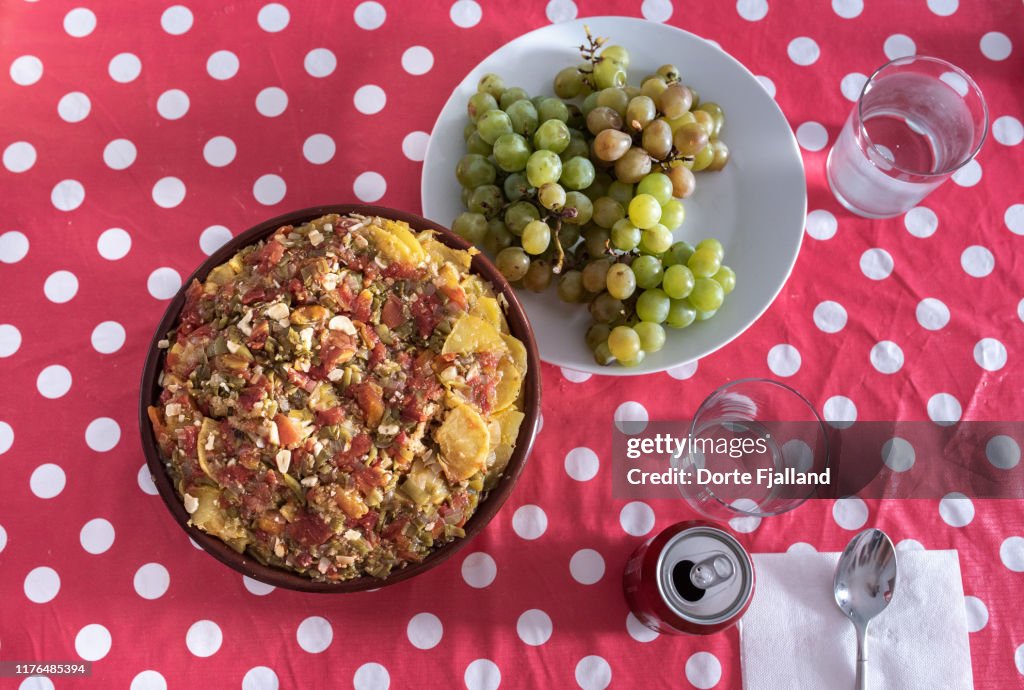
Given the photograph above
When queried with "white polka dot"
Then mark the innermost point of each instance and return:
(3, 538)
(977, 261)
(124, 68)
(417, 60)
(369, 186)
(271, 101)
(821, 224)
(163, 283)
(767, 84)
(479, 570)
(414, 145)
(93, 642)
(852, 85)
(172, 104)
(582, 464)
(10, 341)
(682, 372)
(956, 510)
(752, 10)
(943, 8)
(318, 149)
(260, 678)
(586, 566)
(219, 151)
(784, 360)
(482, 674)
(1014, 219)
(150, 680)
(848, 9)
(631, 417)
(996, 46)
(638, 631)
(13, 247)
(168, 192)
(899, 45)
(36, 683)
(213, 238)
(574, 376)
(955, 82)
(42, 585)
(1008, 130)
(119, 154)
(60, 286)
(800, 547)
(67, 195)
(97, 536)
(19, 156)
(54, 381)
(107, 338)
(424, 631)
(371, 676)
(703, 670)
(990, 354)
(839, 411)
(79, 22)
(910, 545)
(320, 62)
(876, 264)
(534, 627)
(370, 99)
(812, 136)
(26, 70)
(747, 523)
(944, 409)
(1002, 451)
(314, 634)
(969, 175)
(260, 589)
(565, 10)
(636, 518)
(921, 221)
(830, 317)
(269, 189)
(803, 51)
(370, 15)
(1020, 310)
(932, 314)
(102, 434)
(47, 480)
(898, 455)
(204, 638)
(151, 582)
(886, 357)
(145, 480)
(850, 513)
(273, 18)
(465, 13)
(176, 20)
(1011, 553)
(593, 672)
(530, 521)
(222, 65)
(977, 613)
(114, 244)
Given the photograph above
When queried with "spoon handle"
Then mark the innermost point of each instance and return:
(862, 658)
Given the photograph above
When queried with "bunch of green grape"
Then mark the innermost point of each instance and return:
(584, 189)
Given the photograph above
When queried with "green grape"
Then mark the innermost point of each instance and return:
(652, 305)
(633, 165)
(689, 139)
(610, 145)
(657, 185)
(669, 73)
(577, 146)
(640, 112)
(480, 103)
(716, 113)
(492, 84)
(518, 215)
(516, 185)
(595, 275)
(705, 120)
(537, 100)
(513, 263)
(476, 144)
(597, 334)
(680, 314)
(683, 181)
(538, 276)
(486, 199)
(679, 253)
(589, 103)
(607, 211)
(577, 173)
(471, 227)
(613, 98)
(578, 208)
(673, 214)
(601, 118)
(570, 287)
(576, 120)
(511, 151)
(675, 100)
(696, 96)
(568, 83)
(602, 355)
(656, 239)
(703, 158)
(678, 281)
(676, 122)
(705, 315)
(652, 335)
(596, 239)
(474, 170)
(599, 187)
(552, 135)
(552, 109)
(468, 130)
(621, 192)
(604, 308)
(704, 263)
(644, 211)
(620, 281)
(608, 74)
(512, 95)
(725, 277)
(536, 237)
(568, 236)
(524, 117)
(551, 196)
(498, 236)
(657, 139)
(624, 343)
(648, 271)
(707, 295)
(712, 245)
(652, 87)
(635, 362)
(617, 54)
(466, 193)
(542, 167)
(720, 155)
(625, 236)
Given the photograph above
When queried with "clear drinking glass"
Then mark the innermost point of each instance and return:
(781, 432)
(918, 120)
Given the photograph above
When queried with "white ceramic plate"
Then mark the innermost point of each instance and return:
(756, 206)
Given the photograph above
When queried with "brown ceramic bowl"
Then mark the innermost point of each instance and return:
(247, 565)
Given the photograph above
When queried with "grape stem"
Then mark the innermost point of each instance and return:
(589, 53)
(559, 251)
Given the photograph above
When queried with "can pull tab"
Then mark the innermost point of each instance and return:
(712, 571)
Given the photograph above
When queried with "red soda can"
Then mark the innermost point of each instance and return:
(693, 578)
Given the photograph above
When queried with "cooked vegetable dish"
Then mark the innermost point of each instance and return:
(338, 398)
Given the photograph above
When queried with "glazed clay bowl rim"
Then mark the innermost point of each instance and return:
(243, 562)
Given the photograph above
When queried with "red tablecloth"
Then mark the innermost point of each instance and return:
(137, 137)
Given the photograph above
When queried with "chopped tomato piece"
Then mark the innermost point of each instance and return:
(363, 305)
(455, 294)
(332, 415)
(309, 530)
(370, 398)
(358, 448)
(392, 315)
(336, 348)
(270, 255)
(427, 313)
(288, 431)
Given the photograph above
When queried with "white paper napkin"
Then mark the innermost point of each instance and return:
(794, 636)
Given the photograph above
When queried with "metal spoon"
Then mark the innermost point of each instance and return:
(864, 582)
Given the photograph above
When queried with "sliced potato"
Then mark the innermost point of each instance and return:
(442, 253)
(487, 309)
(509, 420)
(517, 351)
(463, 439)
(208, 427)
(473, 334)
(400, 229)
(210, 517)
(507, 390)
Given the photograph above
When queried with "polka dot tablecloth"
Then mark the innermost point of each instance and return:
(139, 137)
